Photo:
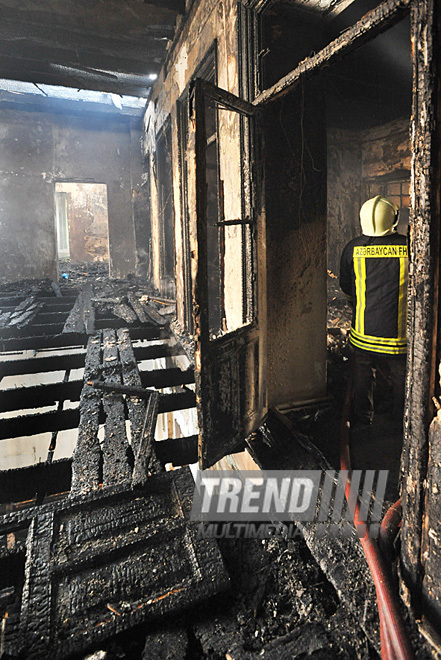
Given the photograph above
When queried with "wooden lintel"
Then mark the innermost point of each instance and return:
(365, 29)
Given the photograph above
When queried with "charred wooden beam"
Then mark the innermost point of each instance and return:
(130, 377)
(376, 21)
(116, 448)
(146, 462)
(50, 318)
(178, 401)
(46, 330)
(82, 316)
(56, 289)
(69, 339)
(137, 307)
(26, 425)
(424, 306)
(153, 315)
(124, 312)
(76, 360)
(87, 454)
(22, 398)
(178, 451)
(171, 377)
(22, 484)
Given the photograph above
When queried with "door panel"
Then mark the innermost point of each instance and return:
(229, 367)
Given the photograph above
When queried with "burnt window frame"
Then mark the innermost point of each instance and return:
(209, 62)
(165, 134)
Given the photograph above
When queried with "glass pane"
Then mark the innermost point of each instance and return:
(393, 188)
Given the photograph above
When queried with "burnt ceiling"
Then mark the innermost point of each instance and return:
(106, 45)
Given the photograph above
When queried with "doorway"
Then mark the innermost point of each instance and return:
(81, 221)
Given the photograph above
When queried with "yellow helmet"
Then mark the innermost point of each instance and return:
(378, 217)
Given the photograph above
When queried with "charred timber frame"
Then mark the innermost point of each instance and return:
(423, 310)
(376, 21)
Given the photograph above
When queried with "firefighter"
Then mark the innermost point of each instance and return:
(373, 275)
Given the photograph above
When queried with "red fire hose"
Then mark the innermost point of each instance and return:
(395, 644)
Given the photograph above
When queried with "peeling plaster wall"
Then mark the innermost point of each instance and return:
(37, 149)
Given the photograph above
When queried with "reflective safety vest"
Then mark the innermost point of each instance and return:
(373, 275)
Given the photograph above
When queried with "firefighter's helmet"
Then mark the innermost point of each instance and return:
(378, 217)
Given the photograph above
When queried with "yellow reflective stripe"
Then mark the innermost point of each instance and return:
(402, 298)
(362, 294)
(380, 251)
(389, 350)
(375, 338)
(360, 288)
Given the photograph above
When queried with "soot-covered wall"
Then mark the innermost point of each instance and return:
(360, 163)
(39, 148)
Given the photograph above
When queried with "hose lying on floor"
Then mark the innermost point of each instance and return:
(395, 643)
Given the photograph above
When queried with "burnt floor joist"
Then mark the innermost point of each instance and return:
(76, 360)
(62, 420)
(22, 398)
(40, 341)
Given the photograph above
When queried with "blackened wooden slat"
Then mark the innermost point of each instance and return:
(146, 462)
(40, 423)
(178, 401)
(87, 454)
(124, 312)
(22, 398)
(39, 340)
(76, 361)
(137, 307)
(160, 378)
(82, 316)
(153, 314)
(116, 448)
(46, 330)
(45, 317)
(36, 594)
(179, 451)
(21, 484)
(130, 377)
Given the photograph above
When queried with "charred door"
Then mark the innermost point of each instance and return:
(224, 227)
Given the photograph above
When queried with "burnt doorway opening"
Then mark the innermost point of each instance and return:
(82, 228)
(339, 137)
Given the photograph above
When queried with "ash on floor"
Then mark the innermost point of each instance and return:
(281, 606)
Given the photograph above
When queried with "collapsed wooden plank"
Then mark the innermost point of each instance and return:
(25, 312)
(153, 314)
(82, 316)
(146, 462)
(124, 312)
(130, 377)
(116, 448)
(137, 307)
(87, 454)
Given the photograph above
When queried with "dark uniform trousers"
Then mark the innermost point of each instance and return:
(364, 371)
